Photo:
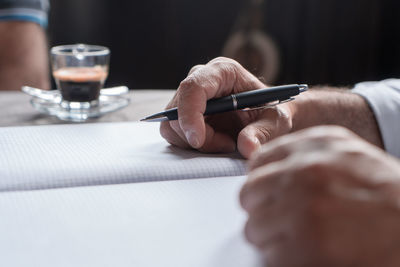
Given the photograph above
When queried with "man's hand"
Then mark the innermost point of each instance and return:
(248, 130)
(244, 130)
(324, 197)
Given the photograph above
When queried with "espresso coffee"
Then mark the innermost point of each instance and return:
(80, 84)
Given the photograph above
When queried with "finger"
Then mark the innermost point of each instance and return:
(271, 123)
(171, 136)
(191, 107)
(262, 186)
(242, 79)
(190, 135)
(219, 77)
(171, 131)
(217, 142)
(177, 129)
(268, 223)
(174, 101)
(276, 150)
(309, 140)
(194, 93)
(265, 228)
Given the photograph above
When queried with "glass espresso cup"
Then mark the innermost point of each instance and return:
(80, 72)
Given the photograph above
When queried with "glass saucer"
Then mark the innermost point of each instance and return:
(106, 104)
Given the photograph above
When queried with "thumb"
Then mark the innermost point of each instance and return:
(273, 122)
(252, 137)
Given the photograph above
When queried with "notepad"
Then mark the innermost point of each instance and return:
(42, 157)
(117, 194)
(185, 223)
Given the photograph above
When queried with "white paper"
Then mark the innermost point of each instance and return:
(41, 157)
(196, 223)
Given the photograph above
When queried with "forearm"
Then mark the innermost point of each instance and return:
(23, 56)
(329, 106)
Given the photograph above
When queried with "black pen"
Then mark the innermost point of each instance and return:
(245, 100)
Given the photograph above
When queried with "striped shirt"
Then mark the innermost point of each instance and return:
(25, 10)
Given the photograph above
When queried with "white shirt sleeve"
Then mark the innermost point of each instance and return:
(384, 99)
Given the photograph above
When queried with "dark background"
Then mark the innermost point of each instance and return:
(154, 43)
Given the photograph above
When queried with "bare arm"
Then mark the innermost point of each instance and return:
(23, 56)
(332, 106)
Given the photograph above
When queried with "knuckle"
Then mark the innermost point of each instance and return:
(284, 122)
(187, 87)
(315, 166)
(243, 196)
(194, 84)
(188, 82)
(254, 232)
(267, 135)
(225, 64)
(248, 232)
(195, 68)
(343, 132)
(221, 59)
(330, 132)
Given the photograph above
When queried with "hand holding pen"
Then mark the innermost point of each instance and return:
(304, 159)
(224, 132)
(246, 101)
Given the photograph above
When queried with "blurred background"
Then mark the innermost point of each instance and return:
(154, 43)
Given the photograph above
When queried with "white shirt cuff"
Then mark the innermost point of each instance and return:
(384, 99)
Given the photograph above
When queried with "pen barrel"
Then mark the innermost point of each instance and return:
(214, 106)
(263, 96)
(171, 114)
(238, 101)
(219, 105)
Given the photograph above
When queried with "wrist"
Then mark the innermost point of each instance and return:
(335, 106)
(301, 111)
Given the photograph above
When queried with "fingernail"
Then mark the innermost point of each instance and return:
(192, 138)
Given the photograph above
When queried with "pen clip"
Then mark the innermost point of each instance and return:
(269, 105)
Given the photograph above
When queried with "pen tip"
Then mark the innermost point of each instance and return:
(155, 118)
